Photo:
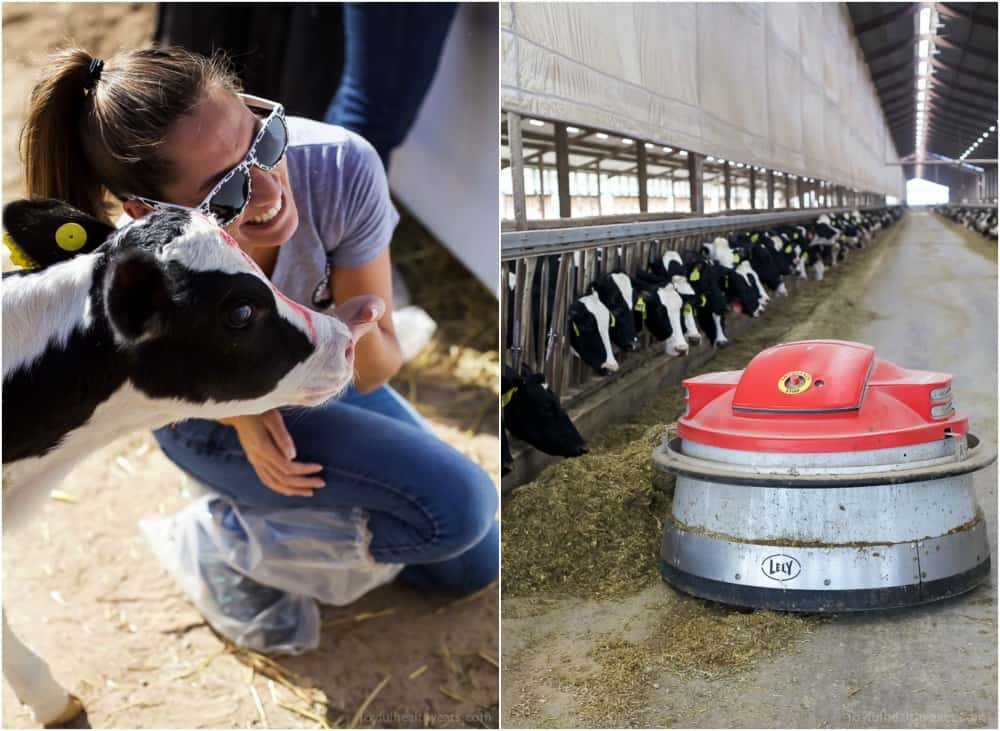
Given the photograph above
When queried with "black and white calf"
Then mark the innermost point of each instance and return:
(706, 278)
(533, 414)
(615, 291)
(590, 333)
(659, 308)
(740, 283)
(166, 319)
(671, 268)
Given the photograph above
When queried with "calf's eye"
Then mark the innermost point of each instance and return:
(240, 316)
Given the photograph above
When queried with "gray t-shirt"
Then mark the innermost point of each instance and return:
(346, 216)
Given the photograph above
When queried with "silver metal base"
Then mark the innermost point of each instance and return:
(824, 578)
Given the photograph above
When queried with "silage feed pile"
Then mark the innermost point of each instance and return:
(589, 526)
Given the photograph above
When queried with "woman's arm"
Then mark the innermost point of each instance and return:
(377, 356)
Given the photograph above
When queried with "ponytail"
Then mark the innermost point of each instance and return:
(55, 165)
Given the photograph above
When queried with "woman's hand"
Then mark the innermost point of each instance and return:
(271, 452)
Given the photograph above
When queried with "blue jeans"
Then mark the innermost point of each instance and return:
(429, 506)
(390, 57)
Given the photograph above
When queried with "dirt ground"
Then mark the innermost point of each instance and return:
(575, 655)
(83, 589)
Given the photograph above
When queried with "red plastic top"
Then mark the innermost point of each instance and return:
(819, 396)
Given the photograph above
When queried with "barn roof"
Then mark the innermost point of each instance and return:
(961, 98)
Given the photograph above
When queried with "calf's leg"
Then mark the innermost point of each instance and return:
(33, 683)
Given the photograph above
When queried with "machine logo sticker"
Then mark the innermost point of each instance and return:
(794, 382)
(780, 567)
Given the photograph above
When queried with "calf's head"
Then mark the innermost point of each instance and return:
(590, 333)
(532, 413)
(193, 320)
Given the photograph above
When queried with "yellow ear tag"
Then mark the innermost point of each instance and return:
(753, 238)
(576, 329)
(71, 236)
(795, 235)
(640, 307)
(505, 399)
(788, 249)
(695, 275)
(704, 301)
(736, 258)
(612, 318)
(18, 257)
(687, 308)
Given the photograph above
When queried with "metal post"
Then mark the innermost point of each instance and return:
(597, 169)
(541, 186)
(770, 190)
(562, 170)
(696, 172)
(727, 186)
(640, 151)
(753, 188)
(517, 169)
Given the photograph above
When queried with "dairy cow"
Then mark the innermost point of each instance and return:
(533, 414)
(590, 333)
(615, 291)
(115, 331)
(672, 268)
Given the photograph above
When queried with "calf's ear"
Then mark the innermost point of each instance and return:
(136, 295)
(43, 231)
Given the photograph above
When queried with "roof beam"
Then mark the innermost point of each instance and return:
(953, 86)
(896, 85)
(967, 117)
(952, 103)
(889, 50)
(969, 49)
(888, 70)
(973, 17)
(903, 11)
(961, 71)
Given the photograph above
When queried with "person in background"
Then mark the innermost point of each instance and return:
(363, 66)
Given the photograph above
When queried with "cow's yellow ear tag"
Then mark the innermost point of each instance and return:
(507, 396)
(695, 275)
(71, 236)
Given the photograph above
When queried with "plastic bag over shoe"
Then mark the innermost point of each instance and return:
(255, 575)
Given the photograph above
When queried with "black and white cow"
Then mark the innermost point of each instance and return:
(705, 278)
(615, 291)
(533, 414)
(828, 239)
(671, 268)
(166, 319)
(739, 282)
(659, 308)
(590, 333)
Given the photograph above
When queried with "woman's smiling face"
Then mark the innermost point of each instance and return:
(210, 141)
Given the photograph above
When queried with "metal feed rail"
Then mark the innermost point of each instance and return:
(581, 254)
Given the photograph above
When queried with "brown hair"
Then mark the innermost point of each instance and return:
(81, 139)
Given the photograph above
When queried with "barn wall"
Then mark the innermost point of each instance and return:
(782, 85)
